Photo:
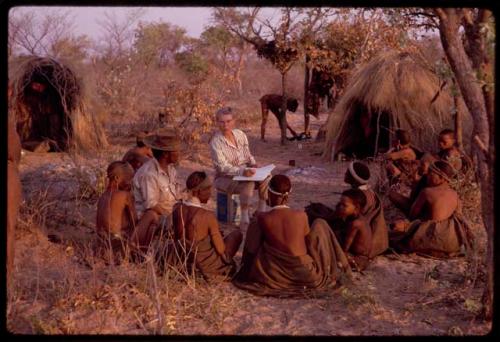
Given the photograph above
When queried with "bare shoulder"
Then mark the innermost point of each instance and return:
(120, 196)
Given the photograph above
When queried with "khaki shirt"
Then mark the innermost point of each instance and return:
(152, 186)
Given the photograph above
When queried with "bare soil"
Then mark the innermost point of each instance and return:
(61, 287)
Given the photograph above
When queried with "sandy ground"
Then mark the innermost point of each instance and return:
(396, 295)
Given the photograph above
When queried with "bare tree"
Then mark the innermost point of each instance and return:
(34, 32)
(118, 34)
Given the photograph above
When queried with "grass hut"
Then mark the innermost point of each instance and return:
(49, 106)
(392, 91)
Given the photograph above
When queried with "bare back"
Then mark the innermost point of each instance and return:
(195, 224)
(285, 229)
(436, 203)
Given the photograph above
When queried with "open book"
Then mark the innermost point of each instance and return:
(260, 174)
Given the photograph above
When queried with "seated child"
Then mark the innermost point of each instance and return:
(282, 256)
(116, 216)
(197, 231)
(401, 158)
(448, 150)
(357, 176)
(352, 230)
(438, 228)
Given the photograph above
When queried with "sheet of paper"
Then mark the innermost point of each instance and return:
(260, 174)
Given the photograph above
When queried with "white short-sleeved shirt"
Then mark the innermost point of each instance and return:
(229, 159)
(152, 186)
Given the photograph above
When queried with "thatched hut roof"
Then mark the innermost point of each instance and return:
(48, 102)
(393, 90)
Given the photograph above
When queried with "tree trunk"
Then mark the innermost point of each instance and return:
(306, 96)
(237, 73)
(283, 109)
(449, 23)
(458, 122)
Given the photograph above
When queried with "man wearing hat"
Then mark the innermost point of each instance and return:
(154, 184)
(438, 228)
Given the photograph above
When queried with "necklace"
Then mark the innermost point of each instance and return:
(192, 204)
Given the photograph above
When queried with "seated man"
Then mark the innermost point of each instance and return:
(438, 228)
(116, 216)
(448, 150)
(357, 176)
(401, 158)
(198, 230)
(154, 184)
(352, 229)
(231, 156)
(282, 256)
(273, 103)
(139, 154)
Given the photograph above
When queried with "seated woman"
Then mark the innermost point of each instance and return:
(438, 228)
(357, 176)
(401, 158)
(197, 233)
(282, 256)
(116, 215)
(353, 230)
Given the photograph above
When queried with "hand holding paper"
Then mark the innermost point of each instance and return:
(260, 174)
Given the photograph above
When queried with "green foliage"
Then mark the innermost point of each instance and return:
(158, 42)
(194, 65)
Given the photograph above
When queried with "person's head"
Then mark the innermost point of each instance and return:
(278, 190)
(136, 160)
(440, 172)
(199, 185)
(357, 174)
(120, 175)
(351, 203)
(446, 139)
(139, 138)
(292, 104)
(402, 138)
(225, 119)
(165, 147)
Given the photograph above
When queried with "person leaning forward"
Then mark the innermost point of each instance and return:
(232, 157)
(154, 183)
(283, 256)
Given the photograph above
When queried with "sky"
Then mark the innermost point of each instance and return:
(193, 19)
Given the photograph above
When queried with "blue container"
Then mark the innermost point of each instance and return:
(228, 210)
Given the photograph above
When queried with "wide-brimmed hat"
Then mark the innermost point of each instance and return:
(163, 142)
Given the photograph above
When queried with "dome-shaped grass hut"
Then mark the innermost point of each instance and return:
(392, 91)
(50, 107)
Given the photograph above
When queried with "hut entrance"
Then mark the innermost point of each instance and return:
(372, 133)
(48, 127)
(46, 93)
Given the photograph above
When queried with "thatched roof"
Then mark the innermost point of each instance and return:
(62, 99)
(397, 85)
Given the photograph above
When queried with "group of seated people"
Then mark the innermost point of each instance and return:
(285, 251)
